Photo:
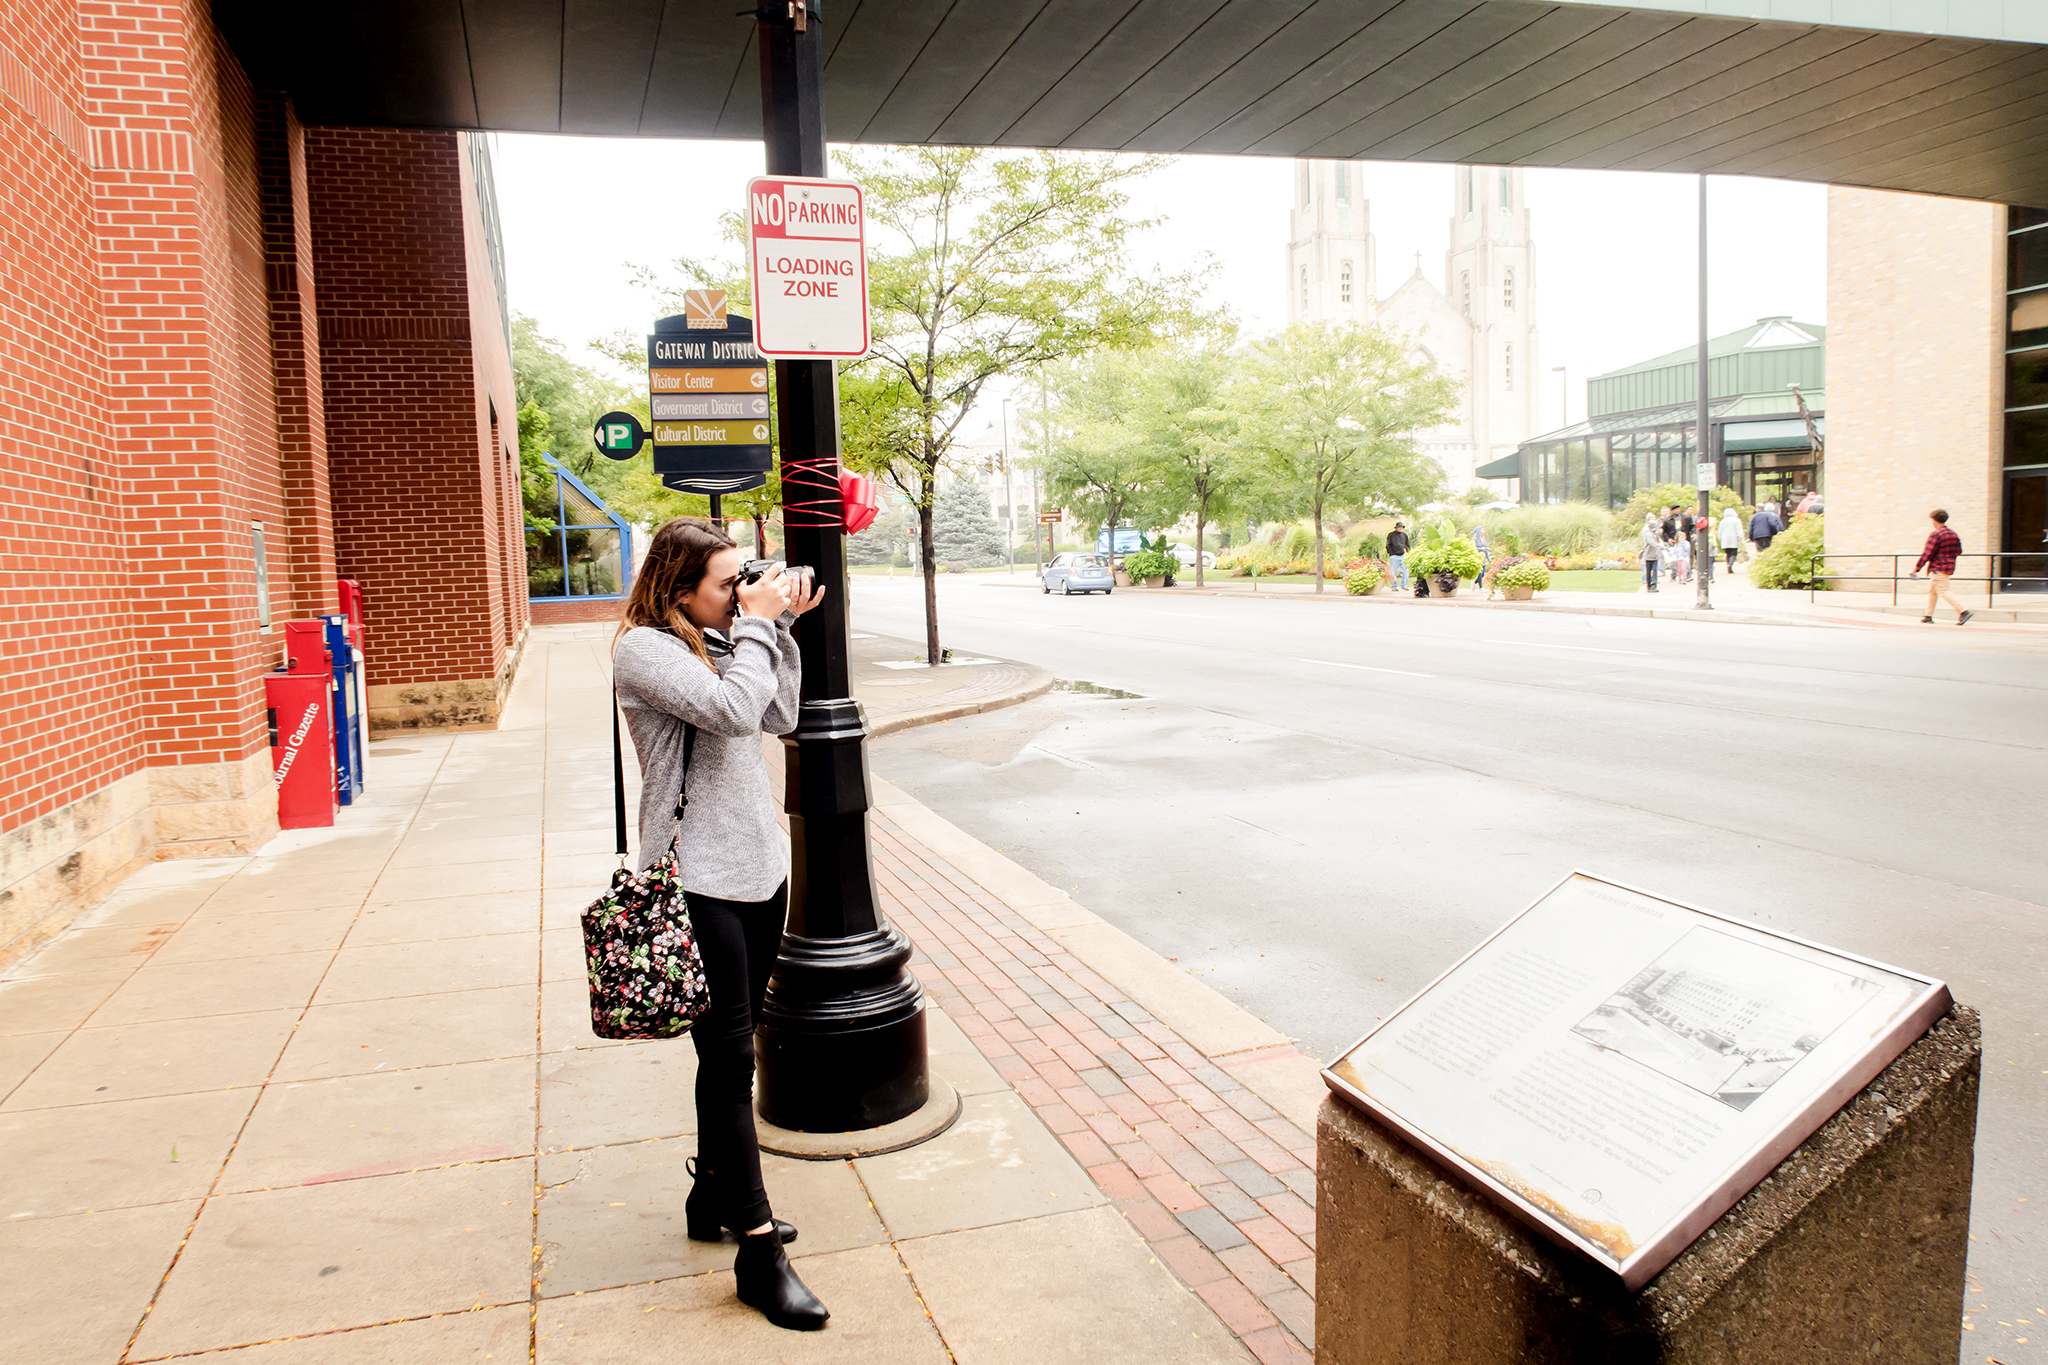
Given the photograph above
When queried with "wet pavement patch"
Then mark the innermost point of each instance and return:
(1092, 689)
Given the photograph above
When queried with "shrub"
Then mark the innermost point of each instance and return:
(1144, 564)
(1528, 573)
(1371, 545)
(1452, 556)
(1789, 561)
(1553, 528)
(1363, 579)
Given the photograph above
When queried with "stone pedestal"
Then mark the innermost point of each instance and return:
(1851, 1250)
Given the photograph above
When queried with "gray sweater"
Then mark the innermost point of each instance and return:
(731, 846)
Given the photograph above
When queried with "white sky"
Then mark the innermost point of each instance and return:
(1615, 250)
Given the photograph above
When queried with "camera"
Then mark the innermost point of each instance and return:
(751, 571)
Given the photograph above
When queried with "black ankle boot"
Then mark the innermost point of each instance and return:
(768, 1282)
(704, 1212)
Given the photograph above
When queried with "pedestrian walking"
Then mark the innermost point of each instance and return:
(705, 664)
(1653, 550)
(1944, 547)
(1397, 555)
(1729, 533)
(1479, 544)
(1763, 526)
(1680, 554)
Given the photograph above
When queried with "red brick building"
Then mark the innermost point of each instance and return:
(221, 330)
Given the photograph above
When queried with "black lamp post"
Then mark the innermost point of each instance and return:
(841, 1045)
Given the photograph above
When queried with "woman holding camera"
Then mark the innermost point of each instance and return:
(702, 646)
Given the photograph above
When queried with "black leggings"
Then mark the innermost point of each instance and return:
(738, 940)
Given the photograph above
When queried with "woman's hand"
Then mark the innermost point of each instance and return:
(794, 592)
(765, 596)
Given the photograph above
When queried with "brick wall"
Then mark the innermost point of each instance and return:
(174, 375)
(69, 711)
(1916, 346)
(411, 387)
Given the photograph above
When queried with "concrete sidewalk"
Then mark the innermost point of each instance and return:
(339, 1102)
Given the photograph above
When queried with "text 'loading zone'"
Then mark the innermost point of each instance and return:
(807, 259)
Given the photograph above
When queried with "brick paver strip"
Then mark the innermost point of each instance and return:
(1221, 1186)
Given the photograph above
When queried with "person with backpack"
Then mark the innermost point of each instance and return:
(705, 664)
(1944, 547)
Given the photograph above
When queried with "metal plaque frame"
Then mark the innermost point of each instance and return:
(1713, 1189)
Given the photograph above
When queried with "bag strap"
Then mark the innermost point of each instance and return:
(619, 775)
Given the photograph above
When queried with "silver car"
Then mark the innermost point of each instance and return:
(1074, 572)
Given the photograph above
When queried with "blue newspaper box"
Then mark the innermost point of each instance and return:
(349, 736)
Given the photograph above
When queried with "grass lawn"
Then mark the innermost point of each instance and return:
(1596, 580)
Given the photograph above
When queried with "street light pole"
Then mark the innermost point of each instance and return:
(841, 1043)
(1009, 502)
(1703, 453)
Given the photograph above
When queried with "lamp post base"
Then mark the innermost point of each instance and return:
(841, 1043)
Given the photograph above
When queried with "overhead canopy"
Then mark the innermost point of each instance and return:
(1484, 81)
(1506, 467)
(1783, 434)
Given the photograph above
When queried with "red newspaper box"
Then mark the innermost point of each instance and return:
(302, 748)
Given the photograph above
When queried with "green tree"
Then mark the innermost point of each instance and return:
(1099, 465)
(964, 527)
(1332, 410)
(983, 264)
(1191, 431)
(559, 402)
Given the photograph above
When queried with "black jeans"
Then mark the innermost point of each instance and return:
(1731, 559)
(738, 940)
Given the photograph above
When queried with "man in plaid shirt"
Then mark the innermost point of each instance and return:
(1939, 559)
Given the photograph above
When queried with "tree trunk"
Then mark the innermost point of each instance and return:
(1201, 520)
(931, 582)
(1319, 542)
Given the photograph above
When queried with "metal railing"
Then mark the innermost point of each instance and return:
(1993, 578)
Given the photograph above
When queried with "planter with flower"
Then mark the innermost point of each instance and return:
(1153, 568)
(1519, 582)
(1445, 564)
(1363, 577)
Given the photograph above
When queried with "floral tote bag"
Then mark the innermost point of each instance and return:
(640, 951)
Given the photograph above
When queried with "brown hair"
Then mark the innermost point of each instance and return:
(1939, 515)
(676, 560)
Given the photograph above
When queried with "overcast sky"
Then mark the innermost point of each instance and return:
(1614, 265)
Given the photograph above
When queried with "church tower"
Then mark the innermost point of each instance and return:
(1330, 276)
(1490, 279)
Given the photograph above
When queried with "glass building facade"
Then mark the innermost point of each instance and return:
(589, 554)
(1641, 431)
(2025, 533)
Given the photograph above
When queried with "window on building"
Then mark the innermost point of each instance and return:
(1471, 190)
(1507, 289)
(1304, 288)
(1303, 177)
(1465, 291)
(1507, 192)
(1343, 183)
(1344, 283)
(1508, 367)
(590, 551)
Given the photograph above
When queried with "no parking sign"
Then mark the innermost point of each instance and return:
(807, 256)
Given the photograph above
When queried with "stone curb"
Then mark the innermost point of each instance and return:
(1259, 1056)
(1034, 686)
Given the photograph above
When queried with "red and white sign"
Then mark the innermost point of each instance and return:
(807, 255)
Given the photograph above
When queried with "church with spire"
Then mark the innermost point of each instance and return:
(1481, 326)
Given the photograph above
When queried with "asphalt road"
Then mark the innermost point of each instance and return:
(1319, 806)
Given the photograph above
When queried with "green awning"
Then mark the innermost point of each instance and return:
(1782, 434)
(1507, 467)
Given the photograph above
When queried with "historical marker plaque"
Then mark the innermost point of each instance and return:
(1619, 1069)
